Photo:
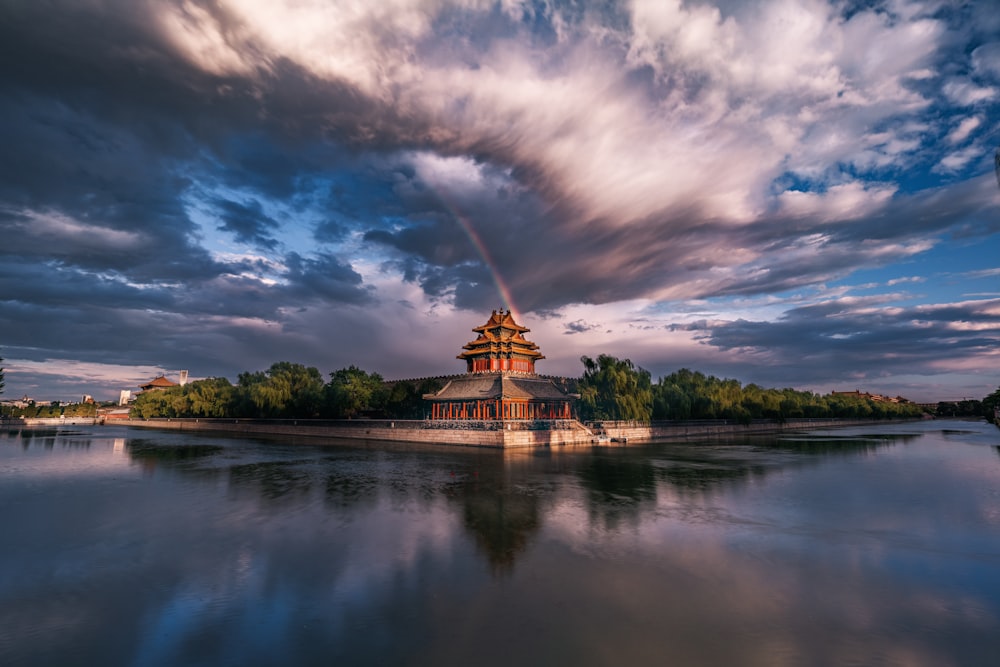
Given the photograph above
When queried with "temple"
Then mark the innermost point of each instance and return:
(157, 384)
(500, 382)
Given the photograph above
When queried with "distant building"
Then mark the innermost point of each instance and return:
(500, 381)
(158, 384)
(111, 414)
(125, 397)
(878, 398)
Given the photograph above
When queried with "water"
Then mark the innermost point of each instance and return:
(876, 545)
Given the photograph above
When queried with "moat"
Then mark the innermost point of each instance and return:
(864, 545)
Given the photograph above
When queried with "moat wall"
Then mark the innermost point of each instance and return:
(495, 434)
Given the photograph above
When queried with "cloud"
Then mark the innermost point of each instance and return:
(579, 326)
(964, 129)
(247, 222)
(224, 170)
(986, 61)
(866, 338)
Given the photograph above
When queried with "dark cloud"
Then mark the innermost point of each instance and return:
(247, 222)
(579, 326)
(858, 338)
(568, 154)
(324, 277)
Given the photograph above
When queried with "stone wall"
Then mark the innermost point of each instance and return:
(712, 428)
(503, 435)
(50, 421)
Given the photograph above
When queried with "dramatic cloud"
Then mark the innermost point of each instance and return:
(219, 185)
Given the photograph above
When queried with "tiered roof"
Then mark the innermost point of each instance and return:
(501, 382)
(501, 335)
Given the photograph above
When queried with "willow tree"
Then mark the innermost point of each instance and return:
(615, 389)
(283, 390)
(352, 391)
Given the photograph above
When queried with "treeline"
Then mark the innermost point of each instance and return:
(616, 389)
(990, 407)
(289, 390)
(609, 389)
(52, 410)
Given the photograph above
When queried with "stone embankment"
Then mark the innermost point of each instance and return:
(48, 421)
(496, 434)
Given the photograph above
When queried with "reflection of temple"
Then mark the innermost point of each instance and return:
(500, 517)
(500, 382)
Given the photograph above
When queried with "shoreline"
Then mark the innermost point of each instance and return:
(512, 434)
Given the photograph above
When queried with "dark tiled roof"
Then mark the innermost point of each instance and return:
(160, 382)
(534, 387)
(486, 386)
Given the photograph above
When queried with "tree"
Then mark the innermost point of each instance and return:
(211, 397)
(405, 398)
(352, 391)
(283, 390)
(613, 388)
(154, 404)
(1, 376)
(990, 405)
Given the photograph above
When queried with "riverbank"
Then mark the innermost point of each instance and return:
(491, 434)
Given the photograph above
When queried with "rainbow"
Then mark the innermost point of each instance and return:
(463, 220)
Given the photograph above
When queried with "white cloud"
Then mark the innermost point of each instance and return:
(841, 202)
(784, 86)
(967, 93)
(986, 61)
(959, 159)
(962, 131)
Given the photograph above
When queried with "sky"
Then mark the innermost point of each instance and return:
(794, 193)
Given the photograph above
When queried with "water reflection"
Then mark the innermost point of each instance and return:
(866, 547)
(499, 513)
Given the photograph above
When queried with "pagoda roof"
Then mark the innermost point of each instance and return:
(501, 319)
(492, 339)
(160, 382)
(493, 386)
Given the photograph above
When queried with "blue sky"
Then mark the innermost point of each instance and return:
(788, 193)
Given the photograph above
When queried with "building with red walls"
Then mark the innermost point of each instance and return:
(500, 382)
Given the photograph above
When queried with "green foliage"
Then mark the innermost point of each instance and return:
(610, 389)
(55, 410)
(288, 390)
(615, 389)
(687, 394)
(964, 408)
(1, 376)
(352, 392)
(213, 397)
(405, 398)
(283, 390)
(990, 405)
